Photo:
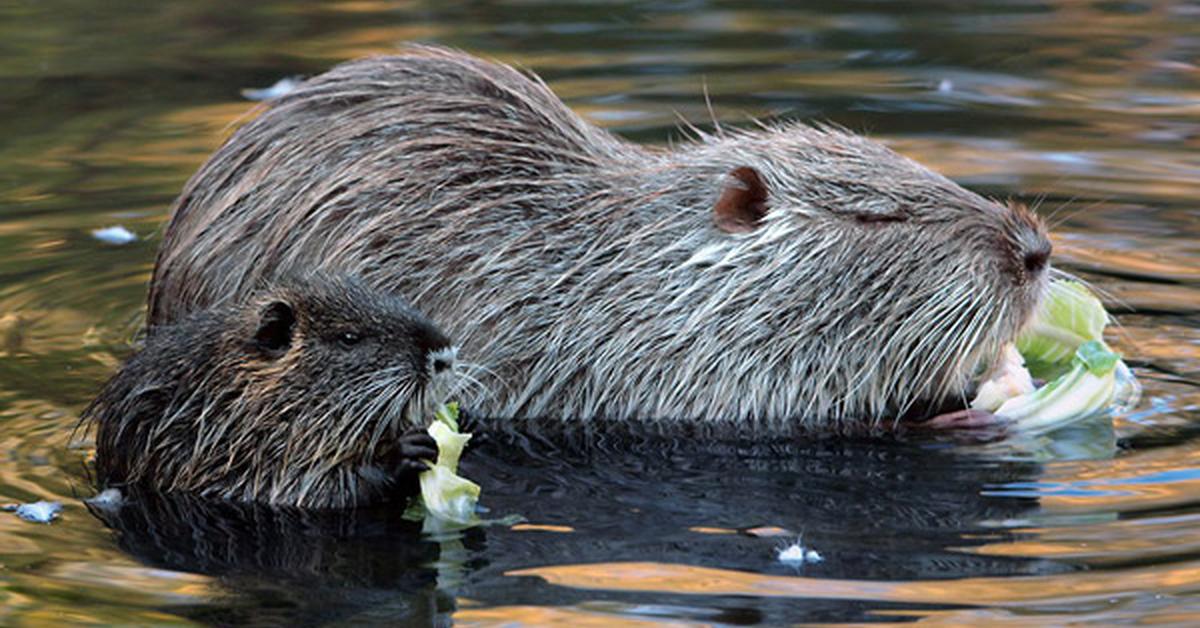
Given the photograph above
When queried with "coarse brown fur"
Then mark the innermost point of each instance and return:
(310, 393)
(779, 277)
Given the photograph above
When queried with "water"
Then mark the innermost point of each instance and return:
(1088, 110)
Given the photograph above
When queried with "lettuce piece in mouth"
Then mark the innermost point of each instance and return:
(1069, 316)
(1008, 379)
(1064, 343)
(446, 495)
(1087, 388)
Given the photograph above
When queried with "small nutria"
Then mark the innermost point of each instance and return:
(310, 393)
(780, 277)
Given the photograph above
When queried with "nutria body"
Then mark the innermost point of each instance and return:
(786, 276)
(310, 393)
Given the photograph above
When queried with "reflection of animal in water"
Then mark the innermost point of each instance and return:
(281, 565)
(312, 393)
(772, 278)
(875, 511)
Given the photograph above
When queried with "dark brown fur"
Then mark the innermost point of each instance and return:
(310, 393)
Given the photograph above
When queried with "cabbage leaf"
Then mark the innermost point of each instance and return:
(1064, 344)
(446, 495)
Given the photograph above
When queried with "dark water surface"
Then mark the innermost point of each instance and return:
(1090, 110)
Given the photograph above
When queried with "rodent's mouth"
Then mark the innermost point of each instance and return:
(959, 397)
(437, 393)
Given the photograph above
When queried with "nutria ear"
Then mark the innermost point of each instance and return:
(743, 203)
(275, 325)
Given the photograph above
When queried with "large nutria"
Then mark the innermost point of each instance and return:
(778, 277)
(311, 393)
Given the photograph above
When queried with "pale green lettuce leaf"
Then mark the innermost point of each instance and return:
(1069, 316)
(1087, 388)
(446, 495)
(1064, 344)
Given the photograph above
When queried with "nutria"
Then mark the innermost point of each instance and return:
(783, 276)
(309, 393)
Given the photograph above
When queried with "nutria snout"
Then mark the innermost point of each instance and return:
(786, 276)
(311, 392)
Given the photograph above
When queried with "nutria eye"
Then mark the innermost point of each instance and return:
(871, 217)
(349, 338)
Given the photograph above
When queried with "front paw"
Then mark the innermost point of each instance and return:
(414, 451)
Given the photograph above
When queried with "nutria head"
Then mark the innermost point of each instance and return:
(853, 274)
(298, 395)
(778, 277)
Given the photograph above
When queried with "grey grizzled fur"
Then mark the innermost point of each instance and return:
(588, 273)
(248, 402)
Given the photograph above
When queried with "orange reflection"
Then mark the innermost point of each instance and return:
(708, 530)
(1111, 543)
(1126, 481)
(1150, 263)
(1160, 342)
(693, 580)
(552, 616)
(768, 531)
(541, 527)
(374, 40)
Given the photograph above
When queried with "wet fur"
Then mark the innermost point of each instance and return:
(588, 273)
(211, 407)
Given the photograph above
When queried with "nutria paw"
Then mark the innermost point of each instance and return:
(970, 424)
(416, 449)
(470, 423)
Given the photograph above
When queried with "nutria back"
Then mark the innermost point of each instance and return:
(305, 394)
(780, 277)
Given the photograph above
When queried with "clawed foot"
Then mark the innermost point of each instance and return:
(415, 450)
(466, 420)
(978, 424)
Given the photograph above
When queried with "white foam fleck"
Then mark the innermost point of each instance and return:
(114, 235)
(39, 512)
(108, 498)
(281, 87)
(796, 555)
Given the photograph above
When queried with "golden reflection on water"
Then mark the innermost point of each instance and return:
(541, 527)
(1153, 297)
(116, 595)
(694, 580)
(565, 616)
(1173, 346)
(1150, 262)
(711, 530)
(35, 331)
(1022, 617)
(164, 586)
(1111, 542)
(367, 41)
(200, 130)
(1124, 483)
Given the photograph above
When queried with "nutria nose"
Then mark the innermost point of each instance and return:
(441, 360)
(1027, 242)
(1038, 258)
